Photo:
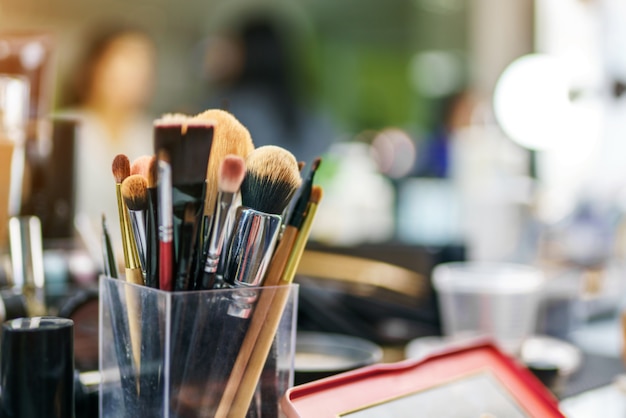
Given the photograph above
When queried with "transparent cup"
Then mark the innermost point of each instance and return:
(171, 354)
(496, 300)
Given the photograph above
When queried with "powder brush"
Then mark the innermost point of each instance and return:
(271, 179)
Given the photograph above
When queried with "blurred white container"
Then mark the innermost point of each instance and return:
(498, 300)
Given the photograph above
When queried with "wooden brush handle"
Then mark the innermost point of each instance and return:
(261, 313)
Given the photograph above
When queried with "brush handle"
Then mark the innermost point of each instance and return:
(221, 219)
(138, 224)
(166, 265)
(110, 266)
(259, 318)
(166, 226)
(152, 238)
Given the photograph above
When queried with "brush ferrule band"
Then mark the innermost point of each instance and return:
(164, 193)
(223, 212)
(251, 246)
(166, 233)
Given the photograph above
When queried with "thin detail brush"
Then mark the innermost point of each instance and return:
(110, 266)
(302, 202)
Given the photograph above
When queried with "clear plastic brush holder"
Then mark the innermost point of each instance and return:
(169, 354)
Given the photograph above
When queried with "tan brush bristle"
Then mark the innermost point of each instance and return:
(121, 168)
(231, 173)
(229, 137)
(141, 165)
(301, 165)
(174, 119)
(153, 170)
(272, 177)
(135, 192)
(316, 195)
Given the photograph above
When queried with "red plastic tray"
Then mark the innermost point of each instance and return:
(450, 383)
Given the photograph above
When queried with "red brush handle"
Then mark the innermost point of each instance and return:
(166, 265)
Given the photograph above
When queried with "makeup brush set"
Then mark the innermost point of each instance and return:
(212, 230)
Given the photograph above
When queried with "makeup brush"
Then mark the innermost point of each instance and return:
(187, 243)
(152, 234)
(135, 194)
(271, 179)
(230, 137)
(166, 222)
(141, 165)
(110, 266)
(121, 170)
(283, 250)
(119, 324)
(188, 145)
(299, 209)
(257, 343)
(231, 173)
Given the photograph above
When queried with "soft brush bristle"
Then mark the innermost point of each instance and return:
(141, 165)
(231, 173)
(135, 192)
(272, 177)
(120, 168)
(230, 137)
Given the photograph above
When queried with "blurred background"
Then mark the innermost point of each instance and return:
(449, 129)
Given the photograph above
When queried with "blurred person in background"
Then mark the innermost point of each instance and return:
(108, 95)
(252, 73)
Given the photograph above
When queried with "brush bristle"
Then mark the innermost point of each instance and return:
(231, 173)
(135, 192)
(153, 173)
(141, 165)
(316, 164)
(316, 194)
(190, 213)
(121, 168)
(229, 137)
(271, 179)
(301, 165)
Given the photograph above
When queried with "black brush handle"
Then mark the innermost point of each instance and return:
(152, 237)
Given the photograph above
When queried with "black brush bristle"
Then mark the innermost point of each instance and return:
(264, 195)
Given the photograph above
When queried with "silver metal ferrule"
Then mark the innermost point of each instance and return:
(223, 207)
(251, 247)
(165, 208)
